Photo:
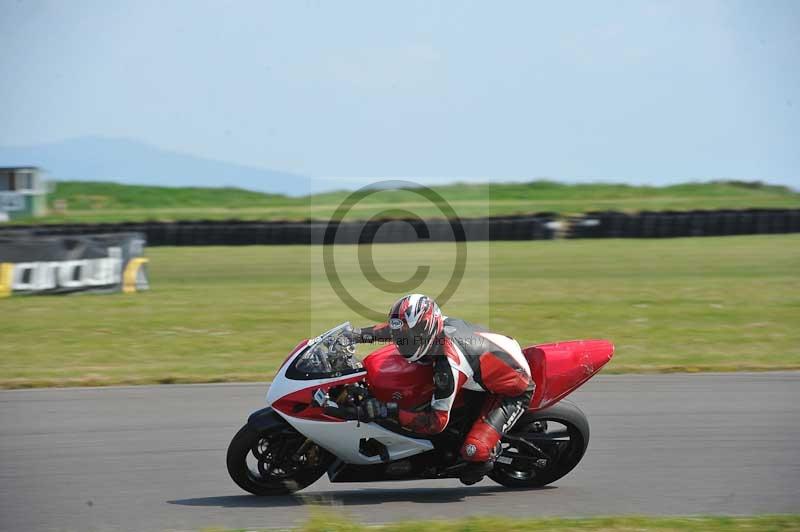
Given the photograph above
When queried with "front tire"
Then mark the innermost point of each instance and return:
(561, 435)
(263, 461)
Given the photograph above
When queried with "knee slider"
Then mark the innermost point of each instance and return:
(480, 443)
(475, 450)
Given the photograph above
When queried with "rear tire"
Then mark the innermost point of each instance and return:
(566, 446)
(266, 478)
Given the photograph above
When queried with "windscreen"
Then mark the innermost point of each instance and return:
(325, 359)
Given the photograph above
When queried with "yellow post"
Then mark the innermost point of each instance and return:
(129, 275)
(6, 278)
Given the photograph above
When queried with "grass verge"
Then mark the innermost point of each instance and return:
(92, 202)
(329, 522)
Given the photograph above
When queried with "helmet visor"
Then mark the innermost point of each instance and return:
(407, 342)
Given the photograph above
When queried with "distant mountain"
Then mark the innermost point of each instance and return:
(131, 162)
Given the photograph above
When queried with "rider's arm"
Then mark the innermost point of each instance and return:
(448, 380)
(376, 333)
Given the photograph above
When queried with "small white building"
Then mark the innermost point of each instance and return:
(23, 192)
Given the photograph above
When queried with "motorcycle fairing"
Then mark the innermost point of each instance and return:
(340, 437)
(560, 368)
(344, 439)
(301, 403)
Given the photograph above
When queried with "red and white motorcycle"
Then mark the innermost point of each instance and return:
(312, 426)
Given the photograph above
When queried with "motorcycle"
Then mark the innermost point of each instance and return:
(312, 424)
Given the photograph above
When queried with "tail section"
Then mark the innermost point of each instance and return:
(558, 369)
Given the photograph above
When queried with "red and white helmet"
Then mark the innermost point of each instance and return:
(415, 321)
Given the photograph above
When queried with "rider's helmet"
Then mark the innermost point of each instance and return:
(415, 322)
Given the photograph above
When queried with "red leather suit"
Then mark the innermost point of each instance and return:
(467, 356)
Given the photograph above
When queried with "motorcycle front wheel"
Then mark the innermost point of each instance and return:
(275, 461)
(542, 447)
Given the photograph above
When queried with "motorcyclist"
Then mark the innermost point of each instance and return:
(463, 356)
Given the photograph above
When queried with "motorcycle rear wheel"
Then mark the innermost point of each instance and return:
(263, 462)
(560, 432)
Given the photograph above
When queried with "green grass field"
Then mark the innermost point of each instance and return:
(325, 521)
(224, 314)
(109, 202)
(331, 523)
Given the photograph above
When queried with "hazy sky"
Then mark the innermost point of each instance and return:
(637, 91)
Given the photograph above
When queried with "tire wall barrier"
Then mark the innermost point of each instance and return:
(667, 224)
(543, 226)
(237, 232)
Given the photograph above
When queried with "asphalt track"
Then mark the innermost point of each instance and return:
(153, 458)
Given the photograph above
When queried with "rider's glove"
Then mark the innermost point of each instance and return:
(352, 334)
(372, 409)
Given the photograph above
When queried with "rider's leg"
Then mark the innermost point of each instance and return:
(482, 444)
(511, 390)
(497, 416)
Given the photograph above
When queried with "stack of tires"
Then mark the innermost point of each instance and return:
(667, 224)
(542, 226)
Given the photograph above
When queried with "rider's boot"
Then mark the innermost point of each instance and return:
(475, 471)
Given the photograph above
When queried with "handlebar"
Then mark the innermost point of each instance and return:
(353, 396)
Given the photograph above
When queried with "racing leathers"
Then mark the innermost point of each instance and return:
(470, 357)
